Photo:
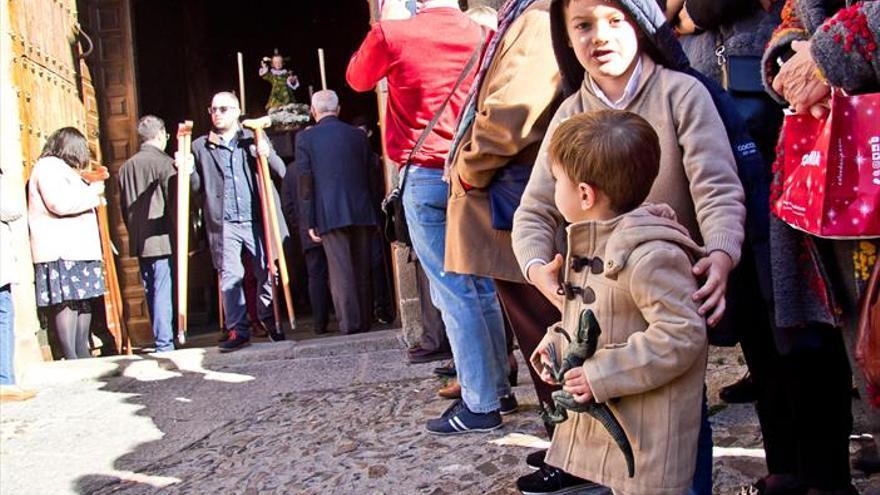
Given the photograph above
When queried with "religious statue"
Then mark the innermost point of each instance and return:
(283, 81)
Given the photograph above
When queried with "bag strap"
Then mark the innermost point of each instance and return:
(439, 113)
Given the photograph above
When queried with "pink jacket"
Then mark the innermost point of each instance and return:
(61, 213)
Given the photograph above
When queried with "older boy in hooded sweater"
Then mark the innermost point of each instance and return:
(623, 55)
(631, 266)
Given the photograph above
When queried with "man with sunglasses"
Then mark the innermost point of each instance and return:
(224, 174)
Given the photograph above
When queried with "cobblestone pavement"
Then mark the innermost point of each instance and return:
(340, 415)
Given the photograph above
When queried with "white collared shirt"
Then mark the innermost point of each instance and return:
(628, 93)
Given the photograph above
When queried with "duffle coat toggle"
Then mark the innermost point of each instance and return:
(578, 263)
(571, 291)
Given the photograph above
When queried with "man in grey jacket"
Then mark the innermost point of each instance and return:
(143, 186)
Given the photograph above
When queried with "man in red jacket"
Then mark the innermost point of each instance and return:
(422, 57)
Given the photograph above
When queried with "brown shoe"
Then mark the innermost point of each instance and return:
(14, 393)
(452, 390)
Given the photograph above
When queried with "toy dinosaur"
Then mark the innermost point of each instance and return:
(581, 349)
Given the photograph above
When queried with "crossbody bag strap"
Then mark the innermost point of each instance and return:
(439, 113)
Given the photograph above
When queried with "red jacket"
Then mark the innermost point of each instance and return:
(422, 58)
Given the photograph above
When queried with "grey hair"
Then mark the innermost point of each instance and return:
(325, 101)
(149, 127)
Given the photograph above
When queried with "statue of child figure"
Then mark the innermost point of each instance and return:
(283, 81)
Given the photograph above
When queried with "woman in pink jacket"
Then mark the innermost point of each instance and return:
(65, 242)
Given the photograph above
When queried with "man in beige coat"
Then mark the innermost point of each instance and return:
(518, 94)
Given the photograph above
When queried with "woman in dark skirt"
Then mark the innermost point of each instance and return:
(65, 242)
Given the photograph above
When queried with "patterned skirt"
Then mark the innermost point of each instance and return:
(62, 281)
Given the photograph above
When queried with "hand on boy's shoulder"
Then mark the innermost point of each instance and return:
(715, 268)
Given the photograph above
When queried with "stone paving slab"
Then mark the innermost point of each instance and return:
(334, 415)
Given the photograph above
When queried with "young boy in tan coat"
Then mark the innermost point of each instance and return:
(632, 266)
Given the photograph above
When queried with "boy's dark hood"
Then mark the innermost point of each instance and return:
(656, 38)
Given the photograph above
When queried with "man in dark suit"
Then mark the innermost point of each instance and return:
(333, 162)
(225, 165)
(316, 260)
(144, 199)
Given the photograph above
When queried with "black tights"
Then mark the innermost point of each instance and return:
(72, 328)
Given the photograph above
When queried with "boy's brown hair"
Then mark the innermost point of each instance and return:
(614, 151)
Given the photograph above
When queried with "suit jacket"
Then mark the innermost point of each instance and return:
(145, 203)
(290, 205)
(207, 179)
(334, 163)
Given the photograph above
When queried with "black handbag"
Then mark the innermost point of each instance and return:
(394, 225)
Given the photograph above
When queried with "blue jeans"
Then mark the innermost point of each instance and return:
(468, 304)
(702, 484)
(156, 275)
(244, 238)
(7, 336)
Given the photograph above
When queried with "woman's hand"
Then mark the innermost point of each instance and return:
(800, 83)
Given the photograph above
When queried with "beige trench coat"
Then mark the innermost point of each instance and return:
(518, 98)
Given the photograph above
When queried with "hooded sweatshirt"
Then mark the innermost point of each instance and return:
(651, 358)
(698, 173)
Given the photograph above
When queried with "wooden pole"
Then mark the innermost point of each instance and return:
(241, 84)
(389, 167)
(323, 71)
(184, 149)
(112, 293)
(268, 240)
(273, 233)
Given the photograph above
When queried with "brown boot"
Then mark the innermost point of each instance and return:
(13, 393)
(452, 390)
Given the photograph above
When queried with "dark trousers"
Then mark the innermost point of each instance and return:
(348, 261)
(319, 291)
(382, 291)
(804, 406)
(529, 313)
(433, 330)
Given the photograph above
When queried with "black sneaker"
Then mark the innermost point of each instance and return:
(551, 481)
(234, 342)
(535, 460)
(509, 405)
(271, 330)
(446, 371)
(459, 419)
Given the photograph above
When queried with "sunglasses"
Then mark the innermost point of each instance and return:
(224, 109)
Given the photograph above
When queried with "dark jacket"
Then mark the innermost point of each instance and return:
(808, 294)
(207, 179)
(290, 206)
(333, 164)
(145, 201)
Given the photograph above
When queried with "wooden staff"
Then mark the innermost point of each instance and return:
(268, 243)
(270, 215)
(241, 83)
(112, 293)
(184, 152)
(321, 65)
